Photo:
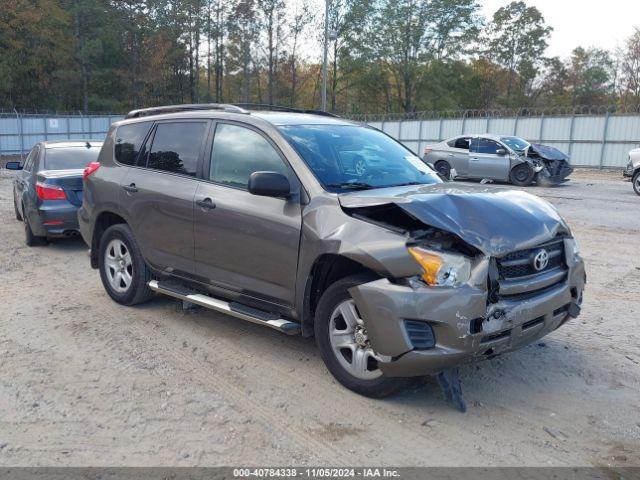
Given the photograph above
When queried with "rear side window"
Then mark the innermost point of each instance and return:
(483, 145)
(69, 158)
(462, 143)
(28, 163)
(176, 147)
(129, 140)
(238, 152)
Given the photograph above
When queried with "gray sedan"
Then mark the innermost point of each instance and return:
(498, 157)
(47, 190)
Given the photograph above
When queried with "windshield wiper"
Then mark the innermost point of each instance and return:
(406, 184)
(351, 185)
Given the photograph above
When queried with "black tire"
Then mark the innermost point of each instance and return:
(522, 175)
(443, 168)
(334, 295)
(15, 208)
(138, 290)
(635, 181)
(30, 239)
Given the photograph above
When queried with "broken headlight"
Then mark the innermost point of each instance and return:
(442, 269)
(572, 249)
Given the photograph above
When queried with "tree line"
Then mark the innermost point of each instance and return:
(384, 56)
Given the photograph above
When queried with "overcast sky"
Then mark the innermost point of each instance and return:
(598, 23)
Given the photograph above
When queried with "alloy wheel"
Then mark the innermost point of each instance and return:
(350, 343)
(119, 266)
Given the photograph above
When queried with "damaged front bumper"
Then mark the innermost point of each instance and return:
(465, 326)
(554, 172)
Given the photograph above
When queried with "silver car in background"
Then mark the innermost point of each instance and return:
(498, 157)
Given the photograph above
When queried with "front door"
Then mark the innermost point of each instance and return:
(485, 162)
(158, 195)
(246, 244)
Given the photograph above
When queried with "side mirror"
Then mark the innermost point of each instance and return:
(269, 184)
(13, 166)
(501, 151)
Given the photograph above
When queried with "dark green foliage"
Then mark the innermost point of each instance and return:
(384, 56)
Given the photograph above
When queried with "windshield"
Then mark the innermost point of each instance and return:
(349, 157)
(516, 144)
(70, 157)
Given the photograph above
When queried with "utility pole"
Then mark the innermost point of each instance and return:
(324, 58)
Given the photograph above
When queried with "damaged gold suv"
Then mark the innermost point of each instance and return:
(311, 224)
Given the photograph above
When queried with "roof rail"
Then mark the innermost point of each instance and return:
(279, 108)
(143, 112)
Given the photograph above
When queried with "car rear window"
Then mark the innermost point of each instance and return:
(70, 157)
(129, 141)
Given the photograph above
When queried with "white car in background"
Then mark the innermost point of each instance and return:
(633, 169)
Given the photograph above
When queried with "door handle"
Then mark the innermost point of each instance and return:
(474, 159)
(206, 204)
(451, 154)
(130, 188)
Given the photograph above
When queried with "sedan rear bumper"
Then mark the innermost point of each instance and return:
(54, 219)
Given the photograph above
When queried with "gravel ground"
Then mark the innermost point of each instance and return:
(86, 382)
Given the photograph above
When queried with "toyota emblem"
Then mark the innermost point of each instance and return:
(540, 260)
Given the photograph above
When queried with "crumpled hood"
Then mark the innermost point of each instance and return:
(494, 220)
(549, 153)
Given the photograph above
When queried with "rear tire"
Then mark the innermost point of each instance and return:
(30, 239)
(636, 182)
(123, 270)
(367, 381)
(522, 175)
(443, 168)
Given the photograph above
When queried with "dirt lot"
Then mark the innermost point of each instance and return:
(84, 381)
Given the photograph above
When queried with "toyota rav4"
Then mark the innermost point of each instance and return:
(315, 225)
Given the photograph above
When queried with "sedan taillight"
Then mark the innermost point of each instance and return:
(50, 192)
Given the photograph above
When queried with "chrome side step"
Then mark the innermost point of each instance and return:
(236, 310)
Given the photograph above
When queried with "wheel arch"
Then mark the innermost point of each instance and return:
(103, 221)
(326, 270)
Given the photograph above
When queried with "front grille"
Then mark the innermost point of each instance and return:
(520, 263)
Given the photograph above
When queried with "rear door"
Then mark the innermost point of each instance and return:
(458, 156)
(484, 161)
(158, 194)
(246, 244)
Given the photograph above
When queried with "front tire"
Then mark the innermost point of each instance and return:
(522, 175)
(636, 182)
(123, 271)
(341, 337)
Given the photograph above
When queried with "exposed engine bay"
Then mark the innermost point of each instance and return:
(555, 164)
